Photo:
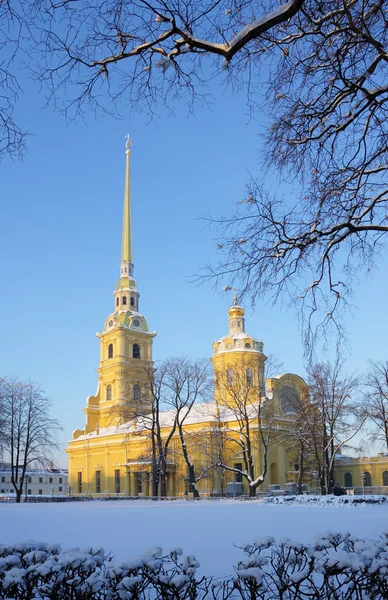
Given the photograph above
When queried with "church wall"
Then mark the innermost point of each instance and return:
(131, 454)
(376, 466)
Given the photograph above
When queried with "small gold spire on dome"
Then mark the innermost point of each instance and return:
(235, 310)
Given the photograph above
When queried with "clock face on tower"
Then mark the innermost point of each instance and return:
(136, 322)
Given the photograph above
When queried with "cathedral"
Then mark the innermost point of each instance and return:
(111, 455)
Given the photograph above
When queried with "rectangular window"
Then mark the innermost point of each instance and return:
(79, 481)
(28, 479)
(117, 481)
(230, 376)
(98, 482)
(3, 491)
(60, 480)
(40, 492)
(29, 492)
(139, 483)
(238, 476)
(50, 480)
(3, 480)
(40, 479)
(249, 376)
(59, 489)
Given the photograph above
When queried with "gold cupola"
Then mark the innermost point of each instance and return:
(237, 339)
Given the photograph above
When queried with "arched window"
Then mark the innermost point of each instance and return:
(136, 351)
(117, 301)
(136, 392)
(230, 376)
(249, 376)
(109, 392)
(348, 480)
(124, 299)
(110, 351)
(368, 479)
(385, 478)
(132, 301)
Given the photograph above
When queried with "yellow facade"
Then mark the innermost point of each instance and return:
(110, 456)
(348, 472)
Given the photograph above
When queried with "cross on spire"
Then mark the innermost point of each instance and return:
(128, 143)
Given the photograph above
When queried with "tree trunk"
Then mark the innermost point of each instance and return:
(155, 471)
(190, 466)
(163, 480)
(162, 465)
(386, 431)
(330, 479)
(192, 482)
(18, 495)
(301, 468)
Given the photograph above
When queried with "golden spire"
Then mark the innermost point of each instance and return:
(126, 246)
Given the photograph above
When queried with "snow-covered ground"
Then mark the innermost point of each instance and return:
(206, 529)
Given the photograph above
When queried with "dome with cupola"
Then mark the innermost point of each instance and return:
(237, 339)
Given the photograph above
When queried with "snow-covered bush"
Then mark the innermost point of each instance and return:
(334, 567)
(39, 571)
(329, 500)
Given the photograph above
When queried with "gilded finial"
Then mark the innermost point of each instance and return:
(128, 144)
(235, 296)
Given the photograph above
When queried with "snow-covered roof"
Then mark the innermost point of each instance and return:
(38, 471)
(238, 335)
(200, 413)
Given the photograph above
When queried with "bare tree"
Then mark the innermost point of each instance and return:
(15, 33)
(303, 435)
(320, 71)
(170, 390)
(2, 417)
(333, 395)
(186, 383)
(375, 401)
(30, 431)
(247, 444)
(149, 422)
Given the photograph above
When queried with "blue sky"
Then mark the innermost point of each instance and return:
(61, 210)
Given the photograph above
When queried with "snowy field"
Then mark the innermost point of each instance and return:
(208, 530)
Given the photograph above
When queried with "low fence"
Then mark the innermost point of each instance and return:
(356, 491)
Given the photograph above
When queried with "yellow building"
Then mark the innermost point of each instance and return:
(112, 456)
(367, 472)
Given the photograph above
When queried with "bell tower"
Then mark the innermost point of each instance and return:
(125, 342)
